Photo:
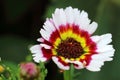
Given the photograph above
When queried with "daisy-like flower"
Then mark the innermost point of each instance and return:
(67, 39)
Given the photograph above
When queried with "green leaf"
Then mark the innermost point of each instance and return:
(11, 70)
(14, 48)
(43, 71)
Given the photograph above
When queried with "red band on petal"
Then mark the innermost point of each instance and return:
(47, 53)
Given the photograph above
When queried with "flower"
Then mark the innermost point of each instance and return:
(29, 71)
(67, 39)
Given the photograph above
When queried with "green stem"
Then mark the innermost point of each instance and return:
(68, 74)
(43, 71)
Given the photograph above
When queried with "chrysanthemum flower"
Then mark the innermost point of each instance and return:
(67, 39)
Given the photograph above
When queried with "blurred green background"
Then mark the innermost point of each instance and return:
(21, 20)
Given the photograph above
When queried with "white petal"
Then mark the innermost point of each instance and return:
(92, 27)
(48, 29)
(37, 58)
(37, 53)
(80, 65)
(104, 48)
(96, 38)
(83, 21)
(105, 52)
(105, 39)
(73, 16)
(94, 66)
(102, 42)
(45, 46)
(45, 34)
(59, 64)
(98, 60)
(36, 49)
(76, 14)
(105, 56)
(40, 39)
(59, 17)
(49, 26)
(69, 15)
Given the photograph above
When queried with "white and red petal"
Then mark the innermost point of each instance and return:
(77, 64)
(103, 39)
(40, 40)
(106, 56)
(48, 29)
(59, 18)
(45, 46)
(49, 25)
(70, 17)
(82, 20)
(103, 42)
(73, 16)
(60, 63)
(92, 27)
(40, 53)
(94, 65)
(37, 53)
(98, 60)
(104, 51)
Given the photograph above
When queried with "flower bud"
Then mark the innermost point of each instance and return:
(29, 71)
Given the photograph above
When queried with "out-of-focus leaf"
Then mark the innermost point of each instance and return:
(11, 70)
(117, 2)
(103, 17)
(14, 48)
(43, 71)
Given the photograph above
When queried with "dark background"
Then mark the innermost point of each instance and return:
(21, 20)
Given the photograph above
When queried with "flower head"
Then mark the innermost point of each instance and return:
(29, 71)
(67, 39)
